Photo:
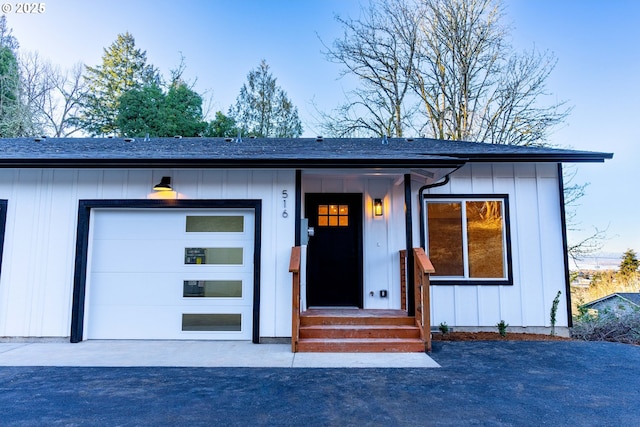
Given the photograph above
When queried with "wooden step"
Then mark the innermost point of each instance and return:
(359, 331)
(308, 320)
(362, 345)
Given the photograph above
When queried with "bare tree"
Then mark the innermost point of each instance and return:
(453, 58)
(52, 96)
(573, 192)
(472, 85)
(379, 49)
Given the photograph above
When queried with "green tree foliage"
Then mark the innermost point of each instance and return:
(140, 111)
(221, 126)
(15, 117)
(263, 109)
(149, 110)
(10, 117)
(630, 263)
(123, 68)
(183, 111)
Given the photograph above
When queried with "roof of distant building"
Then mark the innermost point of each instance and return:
(631, 297)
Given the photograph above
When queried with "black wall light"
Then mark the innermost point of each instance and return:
(164, 184)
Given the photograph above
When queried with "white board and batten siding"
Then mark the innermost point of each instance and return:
(36, 284)
(537, 250)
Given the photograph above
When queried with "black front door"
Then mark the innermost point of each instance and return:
(334, 254)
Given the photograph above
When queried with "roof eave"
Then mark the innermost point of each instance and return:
(228, 163)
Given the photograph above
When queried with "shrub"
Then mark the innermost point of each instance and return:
(444, 328)
(607, 326)
(554, 311)
(502, 328)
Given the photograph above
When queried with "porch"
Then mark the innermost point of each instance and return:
(364, 330)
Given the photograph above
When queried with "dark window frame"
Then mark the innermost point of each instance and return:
(3, 226)
(508, 280)
(82, 246)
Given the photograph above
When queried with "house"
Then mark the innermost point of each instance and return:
(618, 303)
(191, 238)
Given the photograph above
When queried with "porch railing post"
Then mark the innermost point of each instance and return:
(294, 267)
(423, 268)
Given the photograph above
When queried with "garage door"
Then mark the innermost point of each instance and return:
(170, 274)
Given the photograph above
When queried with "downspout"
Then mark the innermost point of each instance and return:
(565, 246)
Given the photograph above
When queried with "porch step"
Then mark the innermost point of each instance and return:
(355, 317)
(359, 331)
(349, 330)
(362, 345)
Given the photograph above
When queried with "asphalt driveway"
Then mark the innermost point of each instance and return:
(479, 383)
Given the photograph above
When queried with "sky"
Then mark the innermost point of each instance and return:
(596, 43)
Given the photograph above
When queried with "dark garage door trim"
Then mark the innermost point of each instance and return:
(82, 246)
(3, 224)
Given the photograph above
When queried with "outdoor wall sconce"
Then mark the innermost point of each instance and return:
(377, 207)
(164, 184)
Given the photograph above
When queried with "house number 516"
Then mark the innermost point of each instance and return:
(285, 214)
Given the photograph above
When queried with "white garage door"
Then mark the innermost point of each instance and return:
(170, 274)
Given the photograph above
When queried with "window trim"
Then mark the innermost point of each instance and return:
(506, 238)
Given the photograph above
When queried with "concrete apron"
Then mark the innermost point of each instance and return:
(123, 353)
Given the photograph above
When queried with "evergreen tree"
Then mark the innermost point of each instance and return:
(221, 126)
(140, 111)
(263, 109)
(123, 68)
(15, 117)
(183, 111)
(10, 122)
(149, 110)
(630, 263)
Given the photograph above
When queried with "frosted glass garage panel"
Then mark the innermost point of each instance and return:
(212, 289)
(212, 322)
(215, 256)
(215, 224)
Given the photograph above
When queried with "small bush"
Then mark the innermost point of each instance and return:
(444, 328)
(607, 326)
(502, 328)
(554, 311)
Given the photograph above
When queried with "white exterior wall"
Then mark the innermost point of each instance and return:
(36, 282)
(537, 250)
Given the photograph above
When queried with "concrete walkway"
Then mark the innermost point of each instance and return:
(239, 354)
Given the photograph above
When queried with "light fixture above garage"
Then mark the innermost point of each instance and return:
(377, 207)
(164, 184)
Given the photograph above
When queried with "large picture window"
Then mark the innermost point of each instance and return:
(467, 239)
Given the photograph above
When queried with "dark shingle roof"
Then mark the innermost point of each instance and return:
(632, 297)
(269, 152)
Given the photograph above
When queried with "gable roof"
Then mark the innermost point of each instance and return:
(631, 297)
(271, 152)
